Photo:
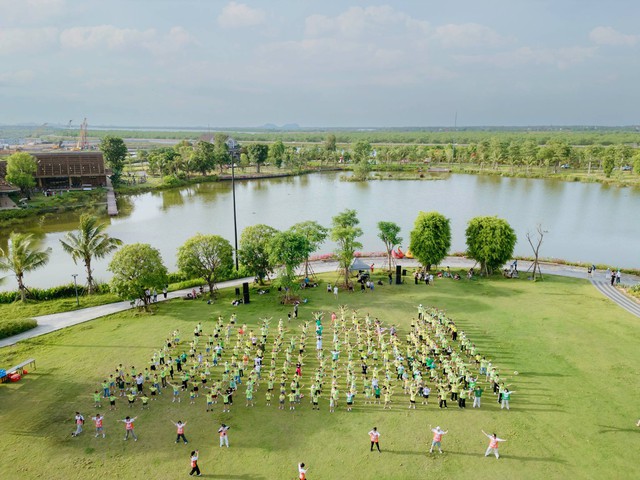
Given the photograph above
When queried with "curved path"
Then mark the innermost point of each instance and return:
(58, 321)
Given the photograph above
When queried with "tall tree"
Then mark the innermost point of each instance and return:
(254, 250)
(91, 241)
(430, 238)
(276, 153)
(204, 157)
(344, 232)
(23, 256)
(137, 267)
(258, 154)
(209, 257)
(21, 171)
(389, 234)
(287, 250)
(221, 150)
(115, 154)
(315, 234)
(490, 241)
(330, 143)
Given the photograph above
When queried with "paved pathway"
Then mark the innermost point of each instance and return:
(58, 321)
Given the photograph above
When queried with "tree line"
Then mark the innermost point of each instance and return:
(263, 251)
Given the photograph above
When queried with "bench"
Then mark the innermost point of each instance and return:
(19, 368)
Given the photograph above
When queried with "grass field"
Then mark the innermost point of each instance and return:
(572, 416)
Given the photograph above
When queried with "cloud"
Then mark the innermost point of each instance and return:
(561, 58)
(17, 78)
(611, 37)
(467, 35)
(27, 40)
(358, 21)
(237, 15)
(30, 11)
(112, 38)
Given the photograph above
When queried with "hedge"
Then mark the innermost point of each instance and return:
(61, 291)
(14, 327)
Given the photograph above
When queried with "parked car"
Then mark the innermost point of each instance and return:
(626, 168)
(565, 165)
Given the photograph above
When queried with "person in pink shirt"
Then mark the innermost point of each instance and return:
(494, 442)
(437, 438)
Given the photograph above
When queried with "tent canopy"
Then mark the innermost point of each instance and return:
(358, 264)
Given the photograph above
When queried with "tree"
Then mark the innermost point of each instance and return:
(135, 268)
(21, 170)
(344, 233)
(430, 238)
(254, 250)
(163, 161)
(315, 234)
(276, 152)
(330, 143)
(258, 154)
(389, 235)
(287, 250)
(608, 161)
(22, 256)
(537, 272)
(115, 154)
(209, 257)
(204, 157)
(91, 241)
(490, 241)
(221, 150)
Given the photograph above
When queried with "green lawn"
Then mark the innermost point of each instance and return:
(573, 415)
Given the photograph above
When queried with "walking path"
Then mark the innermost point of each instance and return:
(58, 321)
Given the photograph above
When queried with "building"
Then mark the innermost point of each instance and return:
(67, 170)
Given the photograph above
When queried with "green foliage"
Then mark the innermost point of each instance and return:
(430, 238)
(258, 154)
(115, 154)
(14, 327)
(209, 257)
(389, 233)
(636, 164)
(344, 232)
(21, 171)
(254, 250)
(53, 293)
(23, 256)
(91, 241)
(287, 250)
(276, 153)
(315, 234)
(172, 181)
(490, 241)
(204, 157)
(135, 268)
(330, 143)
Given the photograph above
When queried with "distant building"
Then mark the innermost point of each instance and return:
(67, 170)
(234, 147)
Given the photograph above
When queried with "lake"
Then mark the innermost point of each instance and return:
(586, 222)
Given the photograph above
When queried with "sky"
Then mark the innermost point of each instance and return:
(330, 63)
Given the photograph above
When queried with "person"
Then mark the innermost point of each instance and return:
(506, 396)
(437, 438)
(128, 426)
(165, 289)
(295, 310)
(194, 463)
(335, 291)
(224, 438)
(98, 419)
(180, 431)
(302, 472)
(79, 419)
(391, 279)
(618, 277)
(494, 441)
(374, 436)
(477, 396)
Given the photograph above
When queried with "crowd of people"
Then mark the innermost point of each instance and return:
(358, 361)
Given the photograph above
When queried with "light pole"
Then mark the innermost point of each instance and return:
(75, 283)
(233, 190)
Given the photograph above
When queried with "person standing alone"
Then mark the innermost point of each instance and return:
(494, 442)
(374, 436)
(194, 463)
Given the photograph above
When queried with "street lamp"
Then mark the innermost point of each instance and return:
(75, 283)
(233, 190)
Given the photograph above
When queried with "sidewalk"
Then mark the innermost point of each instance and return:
(58, 321)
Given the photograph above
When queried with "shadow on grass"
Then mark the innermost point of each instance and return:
(611, 429)
(248, 476)
(508, 457)
(542, 374)
(404, 452)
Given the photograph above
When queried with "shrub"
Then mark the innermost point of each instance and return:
(171, 181)
(61, 291)
(14, 327)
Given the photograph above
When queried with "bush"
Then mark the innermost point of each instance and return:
(61, 291)
(14, 327)
(171, 181)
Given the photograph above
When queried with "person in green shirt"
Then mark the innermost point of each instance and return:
(112, 401)
(477, 395)
(145, 402)
(132, 398)
(506, 396)
(292, 401)
(225, 401)
(96, 399)
(462, 398)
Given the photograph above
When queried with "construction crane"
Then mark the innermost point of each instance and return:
(83, 144)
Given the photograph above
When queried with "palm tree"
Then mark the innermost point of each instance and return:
(23, 256)
(89, 242)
